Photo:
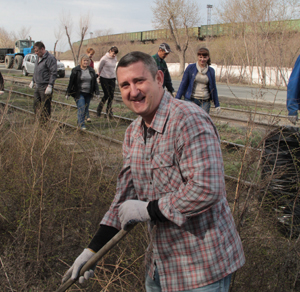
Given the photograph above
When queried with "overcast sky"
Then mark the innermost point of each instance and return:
(43, 16)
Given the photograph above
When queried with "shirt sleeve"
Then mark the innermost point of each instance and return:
(100, 66)
(200, 164)
(184, 83)
(293, 90)
(214, 89)
(168, 81)
(125, 187)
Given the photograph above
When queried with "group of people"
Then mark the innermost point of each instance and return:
(83, 84)
(172, 175)
(198, 84)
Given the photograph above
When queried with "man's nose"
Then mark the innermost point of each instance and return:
(134, 91)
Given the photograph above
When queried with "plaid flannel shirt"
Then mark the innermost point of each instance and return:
(181, 165)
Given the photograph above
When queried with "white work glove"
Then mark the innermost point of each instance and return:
(73, 272)
(174, 93)
(218, 110)
(67, 96)
(293, 119)
(48, 89)
(133, 211)
(31, 84)
(1, 92)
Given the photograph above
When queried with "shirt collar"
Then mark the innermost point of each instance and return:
(161, 115)
(159, 58)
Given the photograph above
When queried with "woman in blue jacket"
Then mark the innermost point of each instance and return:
(198, 83)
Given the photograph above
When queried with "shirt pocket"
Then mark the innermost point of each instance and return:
(166, 175)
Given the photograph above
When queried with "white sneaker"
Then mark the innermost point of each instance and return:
(83, 128)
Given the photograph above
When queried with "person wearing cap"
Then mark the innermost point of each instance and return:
(198, 83)
(163, 51)
(293, 93)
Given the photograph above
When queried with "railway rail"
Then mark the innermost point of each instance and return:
(60, 87)
(124, 119)
(120, 143)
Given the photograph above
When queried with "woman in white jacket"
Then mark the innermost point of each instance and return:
(107, 74)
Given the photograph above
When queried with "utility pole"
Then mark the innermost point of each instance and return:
(91, 35)
(209, 27)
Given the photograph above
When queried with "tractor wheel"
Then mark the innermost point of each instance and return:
(18, 61)
(8, 62)
(24, 71)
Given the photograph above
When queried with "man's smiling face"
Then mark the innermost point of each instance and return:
(140, 92)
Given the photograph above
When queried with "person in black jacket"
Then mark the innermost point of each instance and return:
(1, 84)
(43, 79)
(82, 86)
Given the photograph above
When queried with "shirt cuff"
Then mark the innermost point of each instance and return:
(155, 213)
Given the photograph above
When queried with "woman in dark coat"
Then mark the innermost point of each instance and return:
(82, 86)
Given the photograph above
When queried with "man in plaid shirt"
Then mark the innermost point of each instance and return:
(172, 177)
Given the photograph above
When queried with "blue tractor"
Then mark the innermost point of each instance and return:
(22, 48)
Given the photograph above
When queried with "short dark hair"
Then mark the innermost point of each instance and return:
(136, 56)
(204, 52)
(114, 49)
(39, 45)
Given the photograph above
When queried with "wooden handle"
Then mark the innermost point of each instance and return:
(95, 258)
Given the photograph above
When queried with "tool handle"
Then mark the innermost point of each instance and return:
(94, 259)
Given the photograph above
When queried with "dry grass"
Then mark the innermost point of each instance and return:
(56, 186)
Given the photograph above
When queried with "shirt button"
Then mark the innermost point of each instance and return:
(150, 182)
(147, 158)
(161, 162)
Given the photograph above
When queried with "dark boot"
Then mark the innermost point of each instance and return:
(110, 114)
(99, 108)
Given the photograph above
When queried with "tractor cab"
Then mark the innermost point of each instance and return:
(23, 46)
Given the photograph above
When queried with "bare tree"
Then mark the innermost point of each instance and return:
(84, 23)
(259, 33)
(23, 33)
(6, 39)
(67, 25)
(178, 16)
(58, 33)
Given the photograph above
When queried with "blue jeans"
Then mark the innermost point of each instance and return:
(219, 286)
(83, 104)
(205, 104)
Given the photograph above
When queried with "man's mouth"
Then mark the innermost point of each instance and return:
(139, 99)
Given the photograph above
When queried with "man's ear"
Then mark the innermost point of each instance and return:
(160, 77)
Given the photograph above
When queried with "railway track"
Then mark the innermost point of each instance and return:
(240, 117)
(119, 143)
(120, 118)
